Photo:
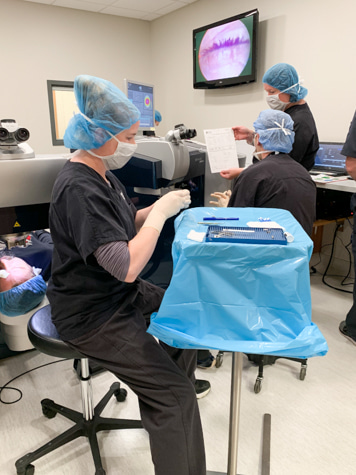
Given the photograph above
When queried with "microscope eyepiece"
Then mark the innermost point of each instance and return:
(180, 132)
(188, 133)
(22, 134)
(4, 134)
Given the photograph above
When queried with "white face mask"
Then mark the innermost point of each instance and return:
(120, 157)
(274, 101)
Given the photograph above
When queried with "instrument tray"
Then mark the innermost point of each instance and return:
(245, 235)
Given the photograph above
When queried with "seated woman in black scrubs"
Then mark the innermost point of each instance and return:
(99, 304)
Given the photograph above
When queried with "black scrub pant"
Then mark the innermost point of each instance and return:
(351, 316)
(161, 376)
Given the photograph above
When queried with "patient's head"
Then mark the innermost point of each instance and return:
(275, 131)
(18, 272)
(21, 289)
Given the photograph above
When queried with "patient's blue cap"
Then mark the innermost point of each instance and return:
(283, 76)
(104, 108)
(23, 298)
(158, 116)
(275, 129)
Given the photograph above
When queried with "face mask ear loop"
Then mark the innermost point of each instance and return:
(300, 81)
(87, 118)
(92, 122)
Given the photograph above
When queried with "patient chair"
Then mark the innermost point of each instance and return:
(45, 338)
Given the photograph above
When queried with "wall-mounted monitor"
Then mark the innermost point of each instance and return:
(62, 107)
(225, 52)
(142, 95)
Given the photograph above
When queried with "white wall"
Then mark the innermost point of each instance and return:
(41, 42)
(315, 36)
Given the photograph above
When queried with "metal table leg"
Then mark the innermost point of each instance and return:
(236, 372)
(266, 447)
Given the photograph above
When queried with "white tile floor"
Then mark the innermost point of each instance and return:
(313, 421)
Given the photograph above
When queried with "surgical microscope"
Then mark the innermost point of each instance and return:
(160, 165)
(26, 182)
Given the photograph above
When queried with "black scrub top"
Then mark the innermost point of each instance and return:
(86, 213)
(349, 148)
(277, 181)
(306, 141)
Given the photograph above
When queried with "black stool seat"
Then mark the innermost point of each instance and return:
(43, 335)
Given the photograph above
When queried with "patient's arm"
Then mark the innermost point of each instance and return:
(231, 173)
(351, 166)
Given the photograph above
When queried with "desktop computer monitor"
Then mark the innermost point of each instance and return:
(142, 95)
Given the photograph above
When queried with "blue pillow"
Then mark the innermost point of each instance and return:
(23, 298)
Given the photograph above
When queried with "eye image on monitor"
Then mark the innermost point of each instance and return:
(224, 51)
(142, 96)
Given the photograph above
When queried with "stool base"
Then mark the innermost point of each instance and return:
(82, 427)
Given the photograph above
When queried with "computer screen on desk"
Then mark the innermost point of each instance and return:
(329, 159)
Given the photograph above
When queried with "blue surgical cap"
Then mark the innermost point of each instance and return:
(158, 116)
(283, 76)
(275, 129)
(24, 297)
(108, 109)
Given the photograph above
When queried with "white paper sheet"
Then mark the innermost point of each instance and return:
(221, 149)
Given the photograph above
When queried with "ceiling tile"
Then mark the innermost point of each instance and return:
(141, 9)
(143, 5)
(47, 2)
(79, 5)
(124, 12)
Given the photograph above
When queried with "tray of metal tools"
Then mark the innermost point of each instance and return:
(245, 235)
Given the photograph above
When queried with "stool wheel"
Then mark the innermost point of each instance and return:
(258, 385)
(219, 359)
(47, 411)
(29, 470)
(303, 372)
(100, 471)
(120, 394)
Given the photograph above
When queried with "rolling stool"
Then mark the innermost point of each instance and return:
(263, 360)
(43, 335)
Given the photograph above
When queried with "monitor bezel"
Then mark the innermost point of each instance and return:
(52, 85)
(233, 81)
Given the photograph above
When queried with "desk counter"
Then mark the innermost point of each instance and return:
(348, 186)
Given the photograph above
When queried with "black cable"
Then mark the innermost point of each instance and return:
(327, 267)
(344, 277)
(350, 265)
(2, 388)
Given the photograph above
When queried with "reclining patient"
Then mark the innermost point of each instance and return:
(22, 282)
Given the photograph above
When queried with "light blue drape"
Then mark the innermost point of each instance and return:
(250, 298)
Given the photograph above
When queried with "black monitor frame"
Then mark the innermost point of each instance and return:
(199, 81)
